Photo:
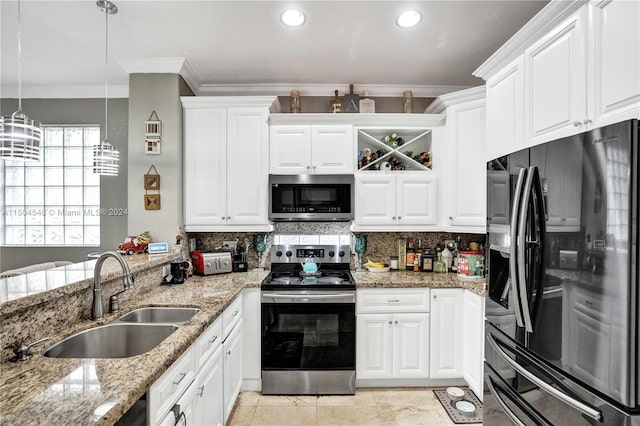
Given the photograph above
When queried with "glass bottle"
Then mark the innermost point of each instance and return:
(407, 101)
(439, 266)
(426, 261)
(410, 254)
(294, 102)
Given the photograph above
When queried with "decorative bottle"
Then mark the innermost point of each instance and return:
(439, 266)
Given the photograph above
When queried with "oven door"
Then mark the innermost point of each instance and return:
(308, 338)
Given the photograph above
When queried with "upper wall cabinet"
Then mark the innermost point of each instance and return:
(225, 167)
(462, 189)
(317, 149)
(576, 65)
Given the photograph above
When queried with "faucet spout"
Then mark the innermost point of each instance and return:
(97, 309)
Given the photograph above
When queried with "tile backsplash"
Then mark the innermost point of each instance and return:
(380, 245)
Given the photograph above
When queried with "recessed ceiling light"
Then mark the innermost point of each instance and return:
(292, 18)
(408, 19)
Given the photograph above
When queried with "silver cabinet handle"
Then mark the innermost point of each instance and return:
(577, 123)
(214, 339)
(229, 353)
(399, 217)
(393, 300)
(201, 391)
(450, 217)
(393, 218)
(435, 296)
(308, 167)
(235, 313)
(395, 322)
(586, 121)
(572, 402)
(390, 322)
(314, 167)
(182, 376)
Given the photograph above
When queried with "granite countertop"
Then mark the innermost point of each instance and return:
(99, 391)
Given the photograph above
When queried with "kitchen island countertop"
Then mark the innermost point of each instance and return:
(99, 391)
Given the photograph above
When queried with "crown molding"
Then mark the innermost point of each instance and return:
(162, 65)
(461, 96)
(283, 89)
(544, 21)
(66, 92)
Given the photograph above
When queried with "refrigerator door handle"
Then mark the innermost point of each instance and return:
(522, 249)
(512, 416)
(513, 261)
(572, 402)
(540, 244)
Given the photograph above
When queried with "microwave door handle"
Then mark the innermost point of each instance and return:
(530, 411)
(513, 260)
(540, 245)
(569, 400)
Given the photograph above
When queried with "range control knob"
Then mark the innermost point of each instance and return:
(341, 253)
(288, 253)
(279, 253)
(332, 253)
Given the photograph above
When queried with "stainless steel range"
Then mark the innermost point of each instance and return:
(308, 321)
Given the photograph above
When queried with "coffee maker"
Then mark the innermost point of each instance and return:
(178, 273)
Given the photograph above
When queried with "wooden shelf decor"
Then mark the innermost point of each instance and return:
(152, 183)
(152, 134)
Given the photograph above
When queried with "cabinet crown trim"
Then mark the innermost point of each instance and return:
(227, 101)
(549, 17)
(469, 95)
(361, 119)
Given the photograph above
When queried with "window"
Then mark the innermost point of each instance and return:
(55, 202)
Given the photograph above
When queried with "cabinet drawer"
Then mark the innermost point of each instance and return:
(209, 341)
(168, 388)
(231, 316)
(392, 300)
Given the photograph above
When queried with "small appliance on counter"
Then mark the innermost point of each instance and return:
(178, 273)
(212, 262)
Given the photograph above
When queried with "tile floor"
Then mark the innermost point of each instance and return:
(368, 407)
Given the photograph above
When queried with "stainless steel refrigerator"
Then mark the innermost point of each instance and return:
(561, 329)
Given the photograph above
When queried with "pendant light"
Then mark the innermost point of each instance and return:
(20, 136)
(106, 157)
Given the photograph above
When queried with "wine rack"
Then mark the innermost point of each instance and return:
(394, 149)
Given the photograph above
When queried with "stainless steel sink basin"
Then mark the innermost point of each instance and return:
(116, 340)
(160, 315)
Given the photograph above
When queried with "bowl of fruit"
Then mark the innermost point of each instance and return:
(373, 266)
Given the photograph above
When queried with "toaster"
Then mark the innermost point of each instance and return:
(212, 262)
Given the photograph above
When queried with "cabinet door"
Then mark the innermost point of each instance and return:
(411, 346)
(232, 356)
(615, 46)
(205, 166)
(505, 111)
(374, 350)
(375, 202)
(209, 392)
(185, 407)
(556, 82)
(466, 187)
(446, 346)
(247, 169)
(332, 149)
(290, 150)
(417, 199)
(473, 337)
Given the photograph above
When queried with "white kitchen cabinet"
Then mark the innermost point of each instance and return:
(209, 387)
(225, 167)
(614, 44)
(473, 337)
(446, 333)
(396, 199)
(392, 346)
(463, 188)
(182, 413)
(318, 149)
(556, 81)
(505, 111)
(392, 333)
(232, 367)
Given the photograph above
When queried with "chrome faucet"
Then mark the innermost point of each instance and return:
(97, 310)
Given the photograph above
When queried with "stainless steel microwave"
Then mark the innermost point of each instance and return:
(311, 198)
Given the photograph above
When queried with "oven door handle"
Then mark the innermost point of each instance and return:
(347, 296)
(572, 402)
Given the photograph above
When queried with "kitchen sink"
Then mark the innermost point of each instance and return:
(116, 340)
(160, 315)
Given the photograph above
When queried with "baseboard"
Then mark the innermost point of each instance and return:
(251, 385)
(412, 383)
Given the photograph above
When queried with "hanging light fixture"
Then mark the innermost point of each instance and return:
(20, 136)
(106, 157)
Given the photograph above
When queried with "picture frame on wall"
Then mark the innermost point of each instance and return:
(152, 146)
(152, 201)
(152, 182)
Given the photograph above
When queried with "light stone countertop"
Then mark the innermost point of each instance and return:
(99, 391)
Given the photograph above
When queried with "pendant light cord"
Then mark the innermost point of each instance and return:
(19, 60)
(106, 79)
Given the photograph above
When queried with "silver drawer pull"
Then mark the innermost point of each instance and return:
(236, 313)
(214, 339)
(393, 300)
(182, 376)
(201, 391)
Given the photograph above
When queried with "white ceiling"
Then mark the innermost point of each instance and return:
(243, 43)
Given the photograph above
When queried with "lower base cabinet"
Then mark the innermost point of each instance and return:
(232, 367)
(209, 409)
